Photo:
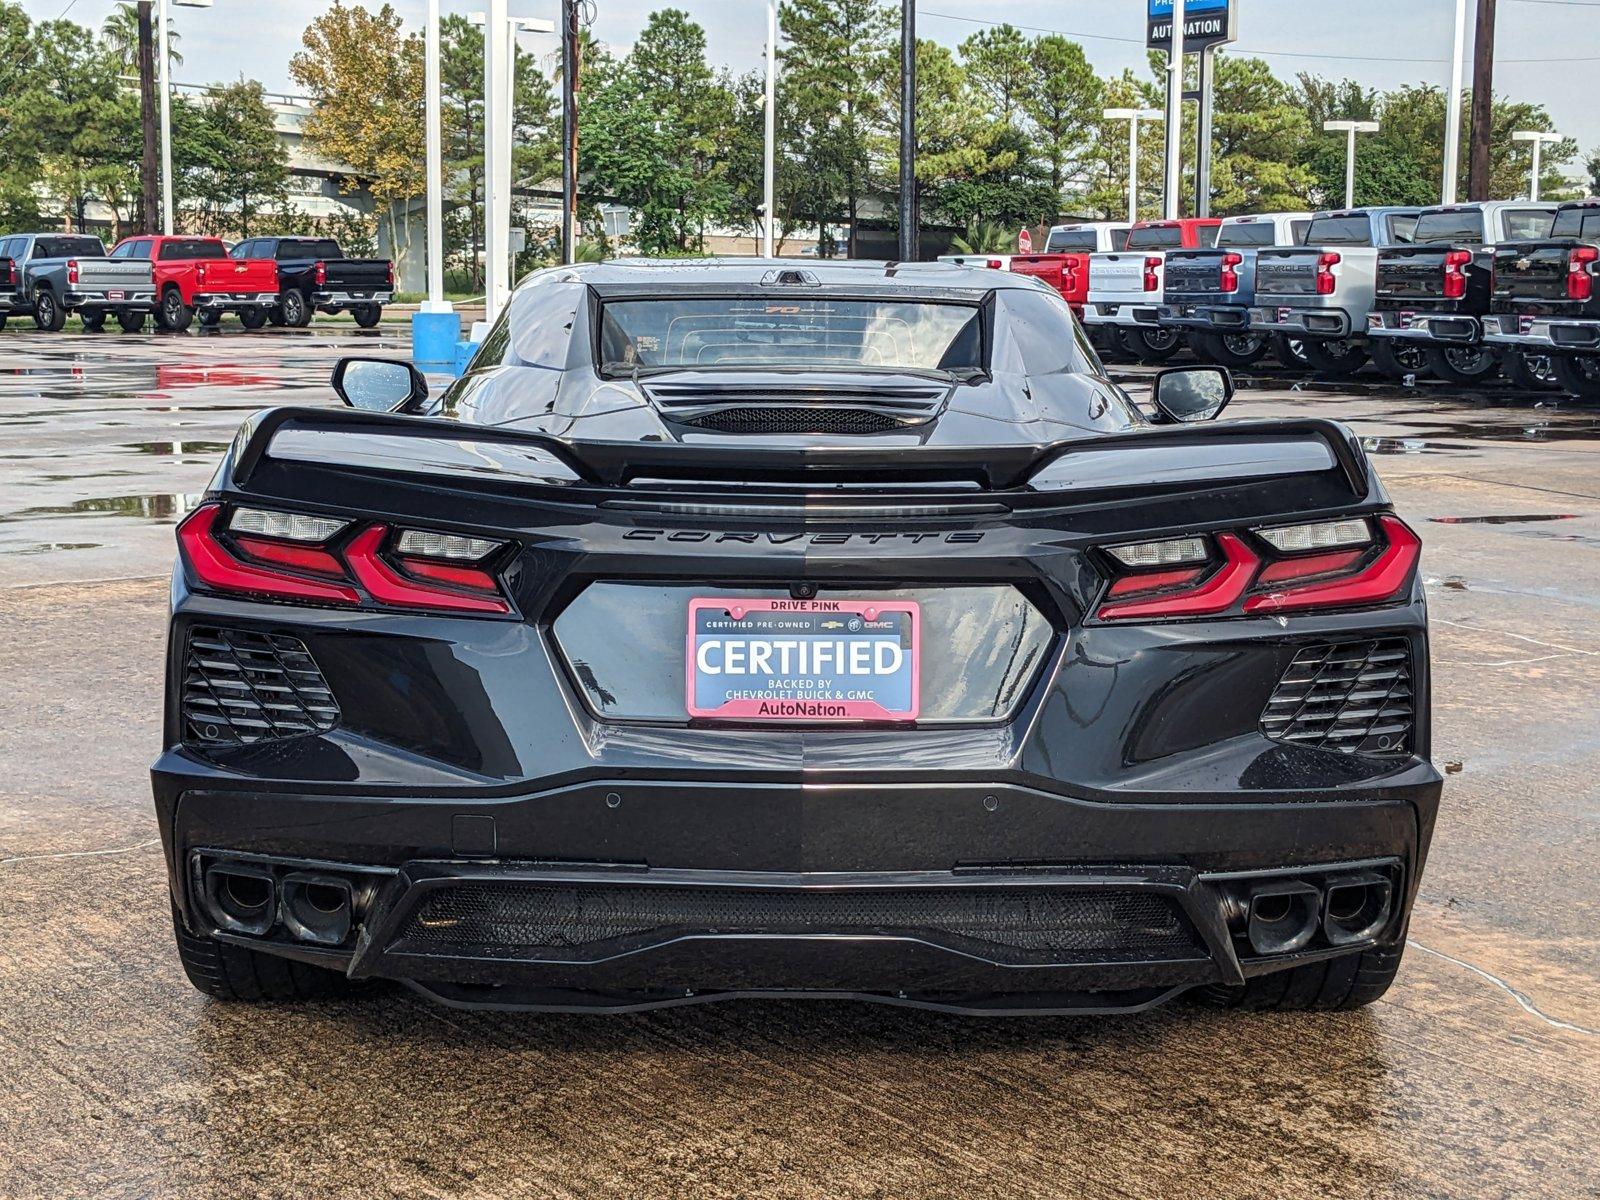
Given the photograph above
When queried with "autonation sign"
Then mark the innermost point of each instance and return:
(1205, 23)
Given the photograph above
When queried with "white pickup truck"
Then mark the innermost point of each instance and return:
(1125, 287)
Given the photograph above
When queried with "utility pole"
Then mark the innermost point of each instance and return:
(149, 172)
(769, 165)
(908, 131)
(1482, 103)
(569, 130)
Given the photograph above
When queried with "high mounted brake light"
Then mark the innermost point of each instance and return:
(1230, 271)
(1326, 262)
(1580, 272)
(1455, 279)
(1152, 282)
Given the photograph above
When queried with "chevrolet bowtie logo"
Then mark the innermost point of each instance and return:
(1523, 264)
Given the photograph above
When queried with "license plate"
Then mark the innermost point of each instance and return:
(804, 660)
(1283, 316)
(1524, 324)
(116, 295)
(1407, 318)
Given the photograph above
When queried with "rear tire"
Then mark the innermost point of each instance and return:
(367, 315)
(1290, 352)
(253, 318)
(210, 318)
(296, 312)
(227, 972)
(1469, 366)
(1154, 345)
(1398, 361)
(174, 315)
(1231, 349)
(1333, 985)
(93, 322)
(1337, 356)
(1578, 376)
(48, 314)
(131, 321)
(1529, 372)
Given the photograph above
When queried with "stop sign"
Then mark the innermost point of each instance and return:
(1024, 242)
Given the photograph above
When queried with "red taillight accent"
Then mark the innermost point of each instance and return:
(1230, 271)
(288, 554)
(200, 274)
(1382, 580)
(1580, 280)
(467, 577)
(216, 568)
(388, 586)
(1455, 279)
(1326, 261)
(1217, 594)
(322, 273)
(390, 274)
(1310, 565)
(1151, 282)
(1153, 581)
(72, 270)
(994, 264)
(13, 274)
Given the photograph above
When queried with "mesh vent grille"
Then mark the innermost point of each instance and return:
(1355, 697)
(1014, 922)
(784, 419)
(240, 686)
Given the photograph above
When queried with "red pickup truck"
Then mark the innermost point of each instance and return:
(195, 275)
(1064, 265)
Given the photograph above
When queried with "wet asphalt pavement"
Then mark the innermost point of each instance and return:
(1478, 1075)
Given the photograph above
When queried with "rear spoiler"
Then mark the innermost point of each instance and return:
(428, 446)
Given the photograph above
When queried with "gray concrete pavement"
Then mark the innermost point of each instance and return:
(1477, 1076)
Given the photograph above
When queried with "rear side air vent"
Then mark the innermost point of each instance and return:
(782, 419)
(241, 686)
(1351, 696)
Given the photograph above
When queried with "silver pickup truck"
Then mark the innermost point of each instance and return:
(59, 273)
(1321, 293)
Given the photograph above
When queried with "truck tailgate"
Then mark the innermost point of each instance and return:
(1067, 273)
(114, 274)
(238, 275)
(10, 276)
(1194, 272)
(1120, 277)
(1412, 272)
(1532, 271)
(1287, 272)
(357, 275)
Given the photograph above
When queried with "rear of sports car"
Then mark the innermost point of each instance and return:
(525, 724)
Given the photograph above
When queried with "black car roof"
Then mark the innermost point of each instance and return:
(854, 274)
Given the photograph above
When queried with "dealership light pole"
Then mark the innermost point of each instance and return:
(908, 131)
(1350, 129)
(162, 53)
(1175, 113)
(432, 85)
(769, 165)
(1452, 112)
(1132, 116)
(1538, 137)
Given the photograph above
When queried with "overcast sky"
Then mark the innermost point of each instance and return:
(1548, 51)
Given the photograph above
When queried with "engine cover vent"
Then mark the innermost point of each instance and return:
(776, 419)
(1350, 696)
(241, 686)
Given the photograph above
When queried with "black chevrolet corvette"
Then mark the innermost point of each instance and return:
(736, 629)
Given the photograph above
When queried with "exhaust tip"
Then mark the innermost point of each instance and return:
(240, 898)
(1282, 916)
(1357, 908)
(317, 908)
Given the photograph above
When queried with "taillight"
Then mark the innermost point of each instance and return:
(390, 274)
(1069, 274)
(322, 274)
(1326, 262)
(1319, 565)
(1152, 282)
(1230, 271)
(13, 274)
(72, 270)
(297, 557)
(994, 264)
(200, 274)
(1455, 278)
(1580, 272)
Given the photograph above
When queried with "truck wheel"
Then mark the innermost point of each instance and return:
(48, 314)
(296, 312)
(1290, 352)
(1154, 345)
(2, 320)
(1529, 372)
(210, 318)
(228, 972)
(1398, 361)
(1337, 356)
(1466, 365)
(131, 320)
(252, 318)
(1349, 981)
(1579, 376)
(93, 322)
(367, 315)
(174, 315)
(1231, 349)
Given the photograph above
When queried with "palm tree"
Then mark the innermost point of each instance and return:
(985, 237)
(120, 34)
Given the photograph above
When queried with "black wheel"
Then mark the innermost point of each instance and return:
(253, 318)
(93, 322)
(1117, 344)
(1290, 352)
(1530, 372)
(210, 318)
(48, 314)
(2, 320)
(275, 315)
(1578, 375)
(367, 315)
(296, 312)
(1152, 344)
(1466, 365)
(1231, 349)
(1349, 981)
(235, 973)
(1337, 356)
(174, 315)
(1397, 358)
(131, 320)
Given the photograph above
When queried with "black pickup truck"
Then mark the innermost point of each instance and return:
(1431, 296)
(1546, 298)
(315, 276)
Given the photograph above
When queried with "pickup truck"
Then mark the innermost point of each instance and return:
(1430, 297)
(315, 276)
(1321, 293)
(1546, 298)
(1208, 292)
(52, 274)
(1064, 265)
(992, 262)
(1125, 287)
(196, 275)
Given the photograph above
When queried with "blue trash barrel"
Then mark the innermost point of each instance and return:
(433, 340)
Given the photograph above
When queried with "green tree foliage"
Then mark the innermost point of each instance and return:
(120, 33)
(245, 169)
(1064, 98)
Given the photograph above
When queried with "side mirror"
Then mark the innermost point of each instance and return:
(1188, 394)
(379, 384)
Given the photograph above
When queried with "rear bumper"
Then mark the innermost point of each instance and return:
(1453, 329)
(145, 299)
(1324, 323)
(1208, 317)
(219, 301)
(1105, 312)
(342, 299)
(1549, 334)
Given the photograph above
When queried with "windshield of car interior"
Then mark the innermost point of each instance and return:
(1245, 233)
(1576, 223)
(68, 247)
(1068, 241)
(1340, 231)
(1448, 228)
(788, 331)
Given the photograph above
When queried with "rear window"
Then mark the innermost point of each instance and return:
(784, 331)
(310, 248)
(1247, 233)
(1069, 241)
(1298, 231)
(1577, 223)
(1526, 224)
(1119, 237)
(69, 247)
(185, 249)
(1402, 228)
(1449, 227)
(1339, 231)
(1157, 237)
